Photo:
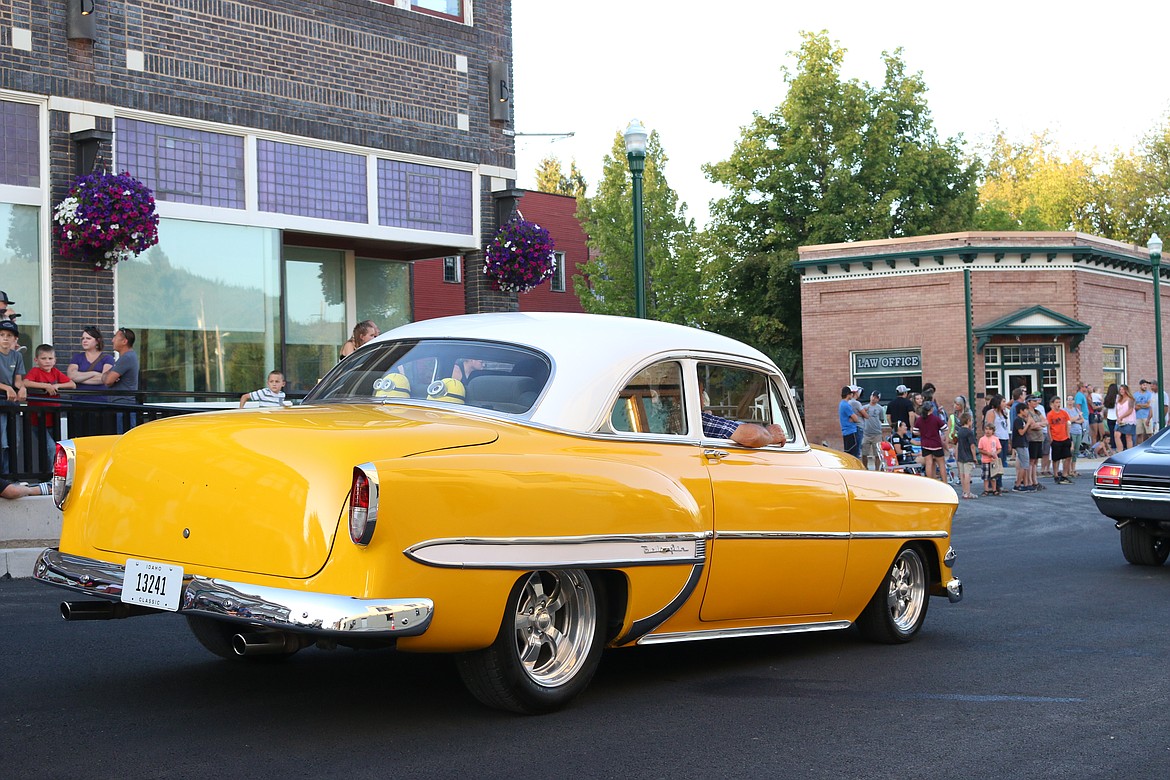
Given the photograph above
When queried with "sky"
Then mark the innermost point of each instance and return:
(1095, 76)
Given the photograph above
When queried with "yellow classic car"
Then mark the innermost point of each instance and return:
(522, 490)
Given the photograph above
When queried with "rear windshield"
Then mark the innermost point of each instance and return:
(488, 375)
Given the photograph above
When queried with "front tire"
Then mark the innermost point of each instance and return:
(548, 648)
(898, 607)
(1142, 548)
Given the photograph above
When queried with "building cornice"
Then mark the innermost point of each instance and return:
(994, 257)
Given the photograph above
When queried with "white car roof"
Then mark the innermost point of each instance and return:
(591, 353)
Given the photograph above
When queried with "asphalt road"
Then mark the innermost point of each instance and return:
(1053, 666)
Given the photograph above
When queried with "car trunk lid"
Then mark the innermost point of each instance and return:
(257, 491)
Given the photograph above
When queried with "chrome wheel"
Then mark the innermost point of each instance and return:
(898, 607)
(548, 647)
(907, 593)
(555, 624)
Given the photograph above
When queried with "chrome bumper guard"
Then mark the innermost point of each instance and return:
(279, 609)
(955, 590)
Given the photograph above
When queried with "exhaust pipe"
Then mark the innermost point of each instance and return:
(269, 643)
(102, 610)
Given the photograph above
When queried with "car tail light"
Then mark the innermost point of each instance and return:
(1108, 475)
(63, 463)
(363, 504)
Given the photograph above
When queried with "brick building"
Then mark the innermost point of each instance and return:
(438, 283)
(1046, 310)
(302, 155)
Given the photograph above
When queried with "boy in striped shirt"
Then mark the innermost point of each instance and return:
(270, 395)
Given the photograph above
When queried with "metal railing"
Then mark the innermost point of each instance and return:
(24, 426)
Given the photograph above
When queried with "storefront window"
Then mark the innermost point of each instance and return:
(883, 371)
(204, 303)
(991, 383)
(383, 292)
(20, 270)
(1113, 366)
(314, 313)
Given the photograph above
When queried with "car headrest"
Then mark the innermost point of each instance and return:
(492, 389)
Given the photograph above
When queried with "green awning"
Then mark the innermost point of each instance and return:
(1033, 321)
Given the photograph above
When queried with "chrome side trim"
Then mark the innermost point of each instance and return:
(831, 535)
(782, 535)
(640, 628)
(728, 633)
(545, 552)
(900, 535)
(259, 605)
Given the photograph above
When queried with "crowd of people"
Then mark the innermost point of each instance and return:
(1020, 432)
(91, 371)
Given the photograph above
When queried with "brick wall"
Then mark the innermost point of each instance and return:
(80, 296)
(349, 71)
(558, 215)
(432, 296)
(924, 311)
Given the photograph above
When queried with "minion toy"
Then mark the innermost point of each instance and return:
(448, 390)
(392, 385)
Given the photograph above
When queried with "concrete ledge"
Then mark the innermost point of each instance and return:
(18, 562)
(34, 517)
(27, 526)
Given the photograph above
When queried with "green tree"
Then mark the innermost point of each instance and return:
(674, 262)
(836, 161)
(1133, 199)
(1033, 186)
(551, 179)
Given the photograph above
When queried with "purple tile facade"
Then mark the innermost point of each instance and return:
(310, 182)
(335, 73)
(20, 158)
(183, 165)
(424, 197)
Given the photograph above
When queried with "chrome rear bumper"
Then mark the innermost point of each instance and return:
(280, 609)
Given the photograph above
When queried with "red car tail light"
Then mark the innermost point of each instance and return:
(363, 504)
(63, 464)
(1108, 475)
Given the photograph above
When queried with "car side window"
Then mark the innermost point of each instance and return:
(652, 402)
(742, 395)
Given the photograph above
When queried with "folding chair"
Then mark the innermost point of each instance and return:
(889, 461)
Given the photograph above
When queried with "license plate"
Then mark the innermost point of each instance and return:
(151, 584)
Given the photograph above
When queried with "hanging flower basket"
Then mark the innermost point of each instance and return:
(105, 219)
(520, 256)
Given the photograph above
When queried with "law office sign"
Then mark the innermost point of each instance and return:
(887, 362)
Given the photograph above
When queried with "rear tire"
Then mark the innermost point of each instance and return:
(898, 607)
(1142, 548)
(548, 647)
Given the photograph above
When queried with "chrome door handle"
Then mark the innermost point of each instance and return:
(713, 454)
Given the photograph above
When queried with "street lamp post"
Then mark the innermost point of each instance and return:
(1155, 247)
(635, 136)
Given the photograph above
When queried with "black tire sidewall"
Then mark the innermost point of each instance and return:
(876, 623)
(1140, 546)
(530, 695)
